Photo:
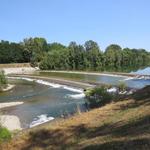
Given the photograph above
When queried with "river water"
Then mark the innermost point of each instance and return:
(105, 79)
(44, 101)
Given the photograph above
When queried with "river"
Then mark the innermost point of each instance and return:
(97, 78)
(44, 100)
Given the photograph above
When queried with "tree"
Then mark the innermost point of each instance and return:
(56, 58)
(76, 56)
(94, 55)
(36, 48)
(73, 57)
(113, 56)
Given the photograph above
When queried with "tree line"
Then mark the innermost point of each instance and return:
(56, 56)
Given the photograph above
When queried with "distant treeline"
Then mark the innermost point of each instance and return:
(55, 56)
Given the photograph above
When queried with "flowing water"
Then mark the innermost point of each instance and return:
(106, 79)
(44, 101)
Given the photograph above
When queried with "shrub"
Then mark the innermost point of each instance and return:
(122, 86)
(44, 64)
(5, 134)
(3, 80)
(97, 97)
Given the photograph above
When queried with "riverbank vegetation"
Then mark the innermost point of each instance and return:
(3, 80)
(97, 97)
(124, 124)
(5, 134)
(89, 56)
(104, 94)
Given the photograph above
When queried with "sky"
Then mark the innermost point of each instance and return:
(123, 22)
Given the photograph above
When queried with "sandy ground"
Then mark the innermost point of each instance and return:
(19, 70)
(4, 105)
(10, 122)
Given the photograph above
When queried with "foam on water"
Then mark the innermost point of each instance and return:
(40, 120)
(28, 79)
(112, 90)
(54, 85)
(22, 78)
(130, 78)
(72, 89)
(48, 83)
(76, 96)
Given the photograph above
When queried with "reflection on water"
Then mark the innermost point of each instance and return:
(113, 80)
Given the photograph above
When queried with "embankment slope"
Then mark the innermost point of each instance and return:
(120, 125)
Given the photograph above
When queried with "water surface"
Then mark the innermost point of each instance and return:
(145, 71)
(40, 99)
(106, 79)
(56, 101)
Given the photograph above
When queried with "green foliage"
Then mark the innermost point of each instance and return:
(5, 134)
(55, 59)
(89, 56)
(113, 55)
(3, 80)
(12, 53)
(122, 86)
(98, 96)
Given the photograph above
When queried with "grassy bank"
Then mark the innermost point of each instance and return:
(120, 125)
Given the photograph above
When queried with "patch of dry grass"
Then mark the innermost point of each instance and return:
(15, 65)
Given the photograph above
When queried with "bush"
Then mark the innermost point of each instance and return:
(5, 134)
(122, 86)
(44, 64)
(3, 80)
(97, 97)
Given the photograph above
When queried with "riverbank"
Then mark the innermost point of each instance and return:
(11, 122)
(19, 70)
(119, 125)
(10, 104)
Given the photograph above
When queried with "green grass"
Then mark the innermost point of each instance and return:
(5, 134)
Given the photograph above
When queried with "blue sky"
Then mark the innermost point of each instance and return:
(125, 22)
